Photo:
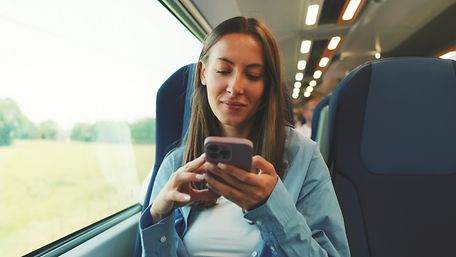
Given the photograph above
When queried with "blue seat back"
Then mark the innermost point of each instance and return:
(173, 111)
(320, 126)
(316, 116)
(393, 157)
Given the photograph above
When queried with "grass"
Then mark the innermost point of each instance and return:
(49, 189)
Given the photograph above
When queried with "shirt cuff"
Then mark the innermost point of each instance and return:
(158, 237)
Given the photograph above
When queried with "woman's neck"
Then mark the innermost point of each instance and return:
(231, 131)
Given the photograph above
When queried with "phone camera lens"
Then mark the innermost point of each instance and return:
(212, 148)
(213, 155)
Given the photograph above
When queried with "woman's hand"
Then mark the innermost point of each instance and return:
(246, 189)
(178, 190)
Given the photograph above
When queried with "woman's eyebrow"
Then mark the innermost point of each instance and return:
(252, 65)
(224, 59)
(255, 65)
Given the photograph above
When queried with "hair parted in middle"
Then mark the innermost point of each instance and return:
(268, 132)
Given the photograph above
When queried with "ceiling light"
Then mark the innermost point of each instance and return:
(333, 43)
(323, 62)
(317, 74)
(297, 84)
(312, 83)
(309, 89)
(295, 96)
(312, 13)
(351, 9)
(449, 55)
(299, 76)
(296, 91)
(305, 46)
(377, 55)
(302, 65)
(306, 94)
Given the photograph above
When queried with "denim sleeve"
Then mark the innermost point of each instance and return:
(157, 239)
(161, 239)
(313, 226)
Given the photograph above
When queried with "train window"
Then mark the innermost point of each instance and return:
(77, 90)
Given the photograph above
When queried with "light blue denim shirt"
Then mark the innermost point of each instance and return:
(300, 218)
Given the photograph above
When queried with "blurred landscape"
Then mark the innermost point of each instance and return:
(54, 182)
(50, 189)
(16, 125)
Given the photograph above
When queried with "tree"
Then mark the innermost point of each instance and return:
(5, 132)
(143, 131)
(47, 130)
(83, 132)
(14, 124)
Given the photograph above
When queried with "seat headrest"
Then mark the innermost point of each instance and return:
(173, 107)
(404, 120)
(316, 115)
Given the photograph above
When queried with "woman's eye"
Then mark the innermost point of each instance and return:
(223, 71)
(254, 76)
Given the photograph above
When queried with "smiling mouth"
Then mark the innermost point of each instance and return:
(233, 106)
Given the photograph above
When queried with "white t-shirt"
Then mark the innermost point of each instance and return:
(220, 231)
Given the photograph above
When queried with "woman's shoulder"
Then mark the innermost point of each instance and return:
(298, 148)
(295, 139)
(303, 155)
(175, 156)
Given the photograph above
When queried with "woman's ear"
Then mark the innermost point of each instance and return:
(202, 70)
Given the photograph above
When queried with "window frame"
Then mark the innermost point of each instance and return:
(74, 239)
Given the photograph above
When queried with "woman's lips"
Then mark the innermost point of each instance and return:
(235, 106)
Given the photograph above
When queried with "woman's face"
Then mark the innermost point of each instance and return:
(234, 78)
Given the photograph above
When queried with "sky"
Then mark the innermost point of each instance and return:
(76, 61)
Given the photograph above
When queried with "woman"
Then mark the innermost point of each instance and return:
(286, 207)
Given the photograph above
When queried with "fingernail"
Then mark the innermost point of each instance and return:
(200, 176)
(186, 198)
(221, 165)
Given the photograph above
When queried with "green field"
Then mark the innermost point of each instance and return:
(49, 189)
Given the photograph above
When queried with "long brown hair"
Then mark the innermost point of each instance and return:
(268, 131)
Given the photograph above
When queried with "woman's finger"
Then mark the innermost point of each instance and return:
(203, 194)
(227, 191)
(180, 198)
(186, 177)
(263, 165)
(231, 174)
(192, 165)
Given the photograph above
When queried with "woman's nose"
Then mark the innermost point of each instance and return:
(235, 85)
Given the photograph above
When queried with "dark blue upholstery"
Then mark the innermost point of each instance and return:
(173, 111)
(392, 155)
(316, 116)
(172, 116)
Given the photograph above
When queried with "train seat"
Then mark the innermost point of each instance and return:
(320, 126)
(173, 110)
(394, 170)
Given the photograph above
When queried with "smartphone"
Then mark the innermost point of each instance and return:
(230, 150)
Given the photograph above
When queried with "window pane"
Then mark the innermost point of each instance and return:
(77, 110)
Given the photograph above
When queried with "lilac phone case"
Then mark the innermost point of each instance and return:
(229, 150)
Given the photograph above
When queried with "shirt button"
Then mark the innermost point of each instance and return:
(163, 239)
(254, 254)
(272, 248)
